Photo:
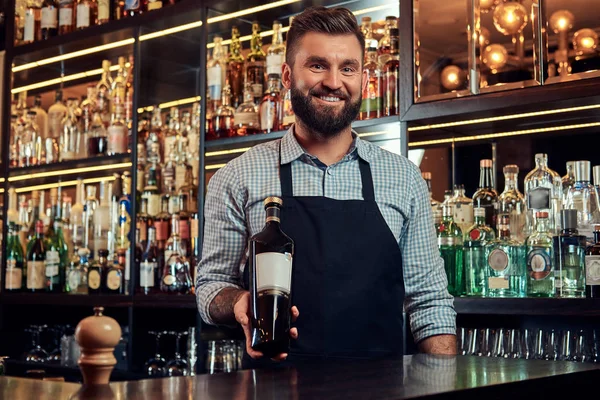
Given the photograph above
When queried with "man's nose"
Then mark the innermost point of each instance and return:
(332, 79)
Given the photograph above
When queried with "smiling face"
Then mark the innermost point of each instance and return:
(325, 81)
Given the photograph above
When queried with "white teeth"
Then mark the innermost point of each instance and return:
(329, 98)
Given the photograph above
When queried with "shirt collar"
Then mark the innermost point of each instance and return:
(291, 149)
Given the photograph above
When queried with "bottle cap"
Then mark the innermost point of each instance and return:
(541, 214)
(485, 163)
(426, 175)
(273, 199)
(596, 172)
(582, 171)
(510, 169)
(568, 219)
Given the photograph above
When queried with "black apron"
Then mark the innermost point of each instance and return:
(347, 278)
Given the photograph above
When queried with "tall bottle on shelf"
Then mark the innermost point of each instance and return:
(371, 105)
(16, 276)
(475, 262)
(41, 117)
(391, 71)
(49, 23)
(246, 115)
(56, 249)
(32, 31)
(223, 119)
(36, 253)
(540, 259)
(450, 244)
(86, 14)
(486, 196)
(66, 16)
(568, 180)
(276, 51)
(592, 266)
(385, 43)
(255, 65)
(215, 73)
(543, 192)
(149, 264)
(583, 198)
(463, 208)
(512, 203)
(56, 114)
(569, 257)
(235, 68)
(269, 111)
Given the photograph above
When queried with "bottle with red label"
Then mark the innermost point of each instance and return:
(475, 239)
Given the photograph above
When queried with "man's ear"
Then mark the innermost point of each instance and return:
(286, 76)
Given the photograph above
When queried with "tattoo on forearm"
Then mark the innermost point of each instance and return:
(221, 308)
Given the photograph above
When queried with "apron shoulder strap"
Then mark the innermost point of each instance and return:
(367, 180)
(285, 176)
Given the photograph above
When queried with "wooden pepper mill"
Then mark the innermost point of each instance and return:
(97, 337)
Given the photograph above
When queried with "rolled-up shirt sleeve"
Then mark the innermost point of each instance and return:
(428, 303)
(225, 239)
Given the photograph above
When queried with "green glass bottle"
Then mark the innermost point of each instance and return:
(15, 273)
(506, 262)
(56, 248)
(540, 259)
(450, 244)
(475, 264)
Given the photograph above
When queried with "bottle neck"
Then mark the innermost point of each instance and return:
(486, 180)
(277, 36)
(542, 225)
(510, 182)
(597, 236)
(504, 234)
(273, 215)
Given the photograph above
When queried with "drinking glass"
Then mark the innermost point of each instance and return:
(551, 346)
(514, 344)
(527, 344)
(54, 356)
(487, 342)
(215, 358)
(155, 366)
(499, 349)
(594, 346)
(36, 354)
(177, 366)
(540, 345)
(582, 351)
(566, 346)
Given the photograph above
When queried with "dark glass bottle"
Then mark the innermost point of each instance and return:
(270, 263)
(113, 276)
(391, 70)
(95, 272)
(36, 254)
(15, 276)
(592, 266)
(486, 196)
(569, 257)
(149, 264)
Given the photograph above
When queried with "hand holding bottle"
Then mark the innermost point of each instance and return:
(241, 310)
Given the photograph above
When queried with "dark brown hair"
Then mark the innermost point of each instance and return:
(331, 21)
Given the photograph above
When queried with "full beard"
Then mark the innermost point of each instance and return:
(322, 120)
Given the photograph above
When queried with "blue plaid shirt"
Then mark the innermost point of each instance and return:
(234, 212)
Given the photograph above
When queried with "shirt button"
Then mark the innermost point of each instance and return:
(329, 171)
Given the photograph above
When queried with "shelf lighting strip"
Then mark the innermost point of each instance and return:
(252, 10)
(376, 8)
(503, 118)
(66, 78)
(503, 134)
(63, 184)
(68, 171)
(174, 103)
(170, 31)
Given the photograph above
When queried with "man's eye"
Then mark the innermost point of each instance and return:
(348, 70)
(317, 66)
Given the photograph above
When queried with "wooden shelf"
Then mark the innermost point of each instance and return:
(581, 307)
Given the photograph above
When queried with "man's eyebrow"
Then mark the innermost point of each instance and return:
(351, 62)
(316, 59)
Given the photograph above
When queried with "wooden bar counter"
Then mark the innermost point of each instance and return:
(417, 376)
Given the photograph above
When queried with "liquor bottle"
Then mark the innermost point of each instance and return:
(95, 275)
(183, 217)
(32, 141)
(161, 223)
(246, 115)
(190, 191)
(171, 136)
(119, 86)
(276, 51)
(32, 30)
(36, 252)
(215, 72)
(269, 111)
(371, 95)
(87, 14)
(569, 258)
(89, 208)
(175, 275)
(288, 116)
(45, 218)
(102, 217)
(114, 282)
(486, 196)
(149, 264)
(66, 16)
(568, 180)
(475, 262)
(540, 259)
(154, 5)
(450, 244)
(151, 194)
(366, 27)
(76, 220)
(582, 197)
(596, 177)
(195, 242)
(154, 142)
(255, 65)
(12, 215)
(463, 208)
(592, 266)
(49, 24)
(41, 117)
(124, 216)
(512, 203)
(117, 131)
(56, 114)
(270, 263)
(15, 276)
(143, 221)
(70, 135)
(56, 248)
(543, 192)
(235, 68)
(434, 203)
(24, 222)
(223, 119)
(391, 69)
(506, 262)
(104, 94)
(385, 43)
(103, 11)
(132, 8)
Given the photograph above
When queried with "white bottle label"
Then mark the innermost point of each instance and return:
(74, 279)
(539, 263)
(246, 119)
(29, 25)
(49, 18)
(498, 282)
(65, 16)
(117, 139)
(267, 115)
(113, 279)
(463, 214)
(52, 262)
(274, 63)
(83, 15)
(94, 279)
(147, 274)
(214, 78)
(103, 9)
(274, 272)
(154, 5)
(14, 275)
(592, 270)
(36, 275)
(153, 205)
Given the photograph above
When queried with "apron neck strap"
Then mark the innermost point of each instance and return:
(285, 176)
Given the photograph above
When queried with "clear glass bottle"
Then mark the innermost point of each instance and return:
(154, 142)
(102, 217)
(31, 142)
(49, 24)
(86, 14)
(463, 208)
(543, 192)
(269, 111)
(385, 43)
(223, 119)
(569, 258)
(215, 73)
(76, 219)
(540, 259)
(582, 197)
(434, 203)
(246, 115)
(41, 117)
(276, 51)
(104, 94)
(371, 105)
(56, 114)
(506, 264)
(235, 68)
(175, 275)
(70, 137)
(568, 180)
(117, 132)
(450, 244)
(486, 195)
(512, 203)
(66, 17)
(475, 261)
(171, 136)
(255, 65)
(592, 267)
(91, 203)
(391, 73)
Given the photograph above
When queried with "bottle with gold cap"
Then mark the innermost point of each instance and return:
(270, 278)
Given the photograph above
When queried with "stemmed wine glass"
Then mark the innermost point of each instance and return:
(156, 365)
(177, 366)
(36, 354)
(54, 356)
